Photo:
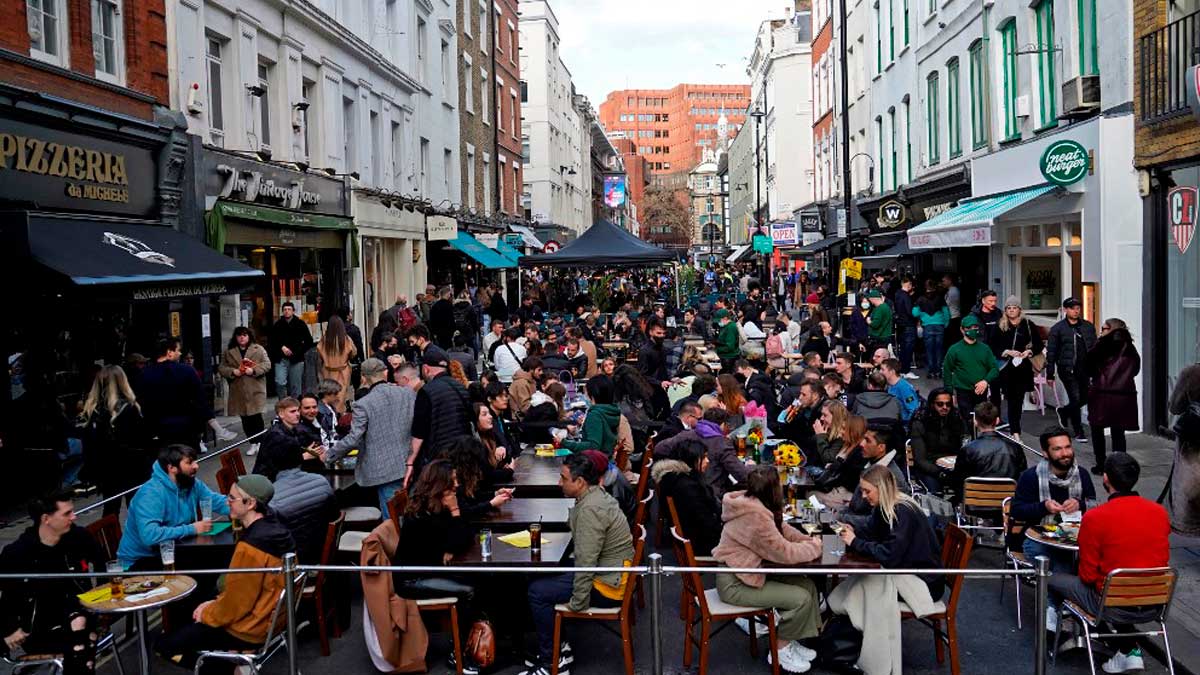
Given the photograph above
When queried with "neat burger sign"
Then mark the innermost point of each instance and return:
(1065, 162)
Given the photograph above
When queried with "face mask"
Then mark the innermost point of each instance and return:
(865, 304)
(973, 333)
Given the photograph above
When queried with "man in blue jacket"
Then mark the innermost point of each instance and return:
(167, 507)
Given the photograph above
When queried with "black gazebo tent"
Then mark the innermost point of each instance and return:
(602, 245)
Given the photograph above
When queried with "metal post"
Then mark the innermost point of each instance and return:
(1039, 632)
(289, 599)
(656, 637)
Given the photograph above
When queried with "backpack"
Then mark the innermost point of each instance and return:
(1187, 426)
(406, 319)
(774, 346)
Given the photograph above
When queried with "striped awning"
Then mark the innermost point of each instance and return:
(970, 223)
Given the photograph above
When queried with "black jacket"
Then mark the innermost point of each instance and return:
(989, 321)
(280, 448)
(932, 438)
(173, 401)
(269, 535)
(426, 537)
(1068, 345)
(37, 605)
(652, 363)
(699, 511)
(306, 503)
(292, 334)
(988, 456)
(903, 310)
(467, 360)
(858, 512)
(909, 542)
(761, 390)
(441, 323)
(843, 472)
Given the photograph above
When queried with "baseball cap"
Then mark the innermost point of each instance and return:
(1071, 302)
(436, 357)
(874, 293)
(721, 313)
(970, 320)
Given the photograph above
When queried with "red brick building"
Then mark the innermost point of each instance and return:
(507, 66)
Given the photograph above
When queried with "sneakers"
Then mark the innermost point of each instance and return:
(1080, 438)
(760, 629)
(911, 376)
(791, 660)
(224, 434)
(1122, 663)
(1051, 620)
(469, 668)
(803, 652)
(252, 450)
(534, 666)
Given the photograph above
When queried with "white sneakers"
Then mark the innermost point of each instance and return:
(1119, 663)
(760, 629)
(1051, 619)
(224, 434)
(911, 376)
(252, 450)
(794, 658)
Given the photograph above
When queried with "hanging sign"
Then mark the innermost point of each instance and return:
(1181, 215)
(441, 228)
(1065, 162)
(891, 214)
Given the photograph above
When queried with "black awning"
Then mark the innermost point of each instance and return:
(150, 261)
(818, 246)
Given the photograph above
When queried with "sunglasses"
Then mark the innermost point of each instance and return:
(942, 404)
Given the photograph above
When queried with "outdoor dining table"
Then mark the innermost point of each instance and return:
(517, 514)
(535, 476)
(178, 586)
(1036, 534)
(205, 551)
(554, 549)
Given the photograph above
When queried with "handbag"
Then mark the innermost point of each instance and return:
(839, 645)
(481, 643)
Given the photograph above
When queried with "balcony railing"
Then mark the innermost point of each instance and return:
(1166, 55)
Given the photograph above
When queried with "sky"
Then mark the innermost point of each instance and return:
(656, 44)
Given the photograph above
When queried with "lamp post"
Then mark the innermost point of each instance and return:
(757, 114)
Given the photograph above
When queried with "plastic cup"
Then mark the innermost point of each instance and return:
(206, 508)
(115, 584)
(166, 550)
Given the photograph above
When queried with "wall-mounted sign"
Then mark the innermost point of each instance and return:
(784, 234)
(614, 191)
(489, 240)
(937, 209)
(513, 239)
(232, 177)
(810, 222)
(551, 246)
(252, 186)
(441, 228)
(763, 244)
(57, 169)
(1065, 162)
(1181, 215)
(892, 214)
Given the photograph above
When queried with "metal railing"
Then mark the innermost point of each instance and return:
(1166, 54)
(653, 571)
(215, 453)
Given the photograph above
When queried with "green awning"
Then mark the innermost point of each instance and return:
(505, 249)
(970, 223)
(485, 256)
(216, 230)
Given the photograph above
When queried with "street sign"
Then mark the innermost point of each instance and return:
(1181, 215)
(783, 234)
(551, 246)
(1065, 162)
(513, 239)
(763, 244)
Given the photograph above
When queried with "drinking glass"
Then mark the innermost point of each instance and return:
(206, 508)
(115, 584)
(166, 550)
(535, 538)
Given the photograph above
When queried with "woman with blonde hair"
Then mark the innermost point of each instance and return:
(115, 446)
(336, 351)
(836, 483)
(1014, 342)
(831, 428)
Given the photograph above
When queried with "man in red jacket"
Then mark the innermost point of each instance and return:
(1127, 531)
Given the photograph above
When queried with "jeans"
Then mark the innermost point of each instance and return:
(934, 337)
(289, 378)
(1100, 445)
(1061, 562)
(544, 594)
(932, 482)
(906, 340)
(386, 491)
(186, 644)
(252, 424)
(1075, 388)
(72, 461)
(75, 639)
(1067, 586)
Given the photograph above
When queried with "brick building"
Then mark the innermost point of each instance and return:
(477, 105)
(1167, 156)
(507, 66)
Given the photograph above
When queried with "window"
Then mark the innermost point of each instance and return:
(879, 153)
(905, 18)
(908, 174)
(524, 150)
(1045, 64)
(878, 38)
(512, 43)
(484, 87)
(447, 94)
(447, 172)
(499, 188)
(953, 109)
(376, 169)
(1008, 63)
(513, 120)
(1089, 63)
(425, 168)
(397, 156)
(349, 134)
(468, 92)
(486, 178)
(979, 136)
(216, 116)
(422, 51)
(470, 176)
(525, 94)
(892, 139)
(891, 30)
(306, 90)
(264, 104)
(108, 42)
(931, 116)
(47, 37)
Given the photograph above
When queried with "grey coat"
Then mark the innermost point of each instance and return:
(382, 431)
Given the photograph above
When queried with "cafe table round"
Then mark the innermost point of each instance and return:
(1035, 534)
(179, 586)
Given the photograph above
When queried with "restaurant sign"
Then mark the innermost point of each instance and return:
(58, 169)
(1065, 162)
(231, 177)
(892, 214)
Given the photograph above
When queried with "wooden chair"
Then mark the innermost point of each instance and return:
(639, 525)
(107, 533)
(1148, 587)
(621, 458)
(622, 615)
(713, 609)
(225, 479)
(396, 506)
(956, 552)
(1015, 558)
(984, 496)
(687, 593)
(316, 590)
(276, 636)
(448, 605)
(233, 460)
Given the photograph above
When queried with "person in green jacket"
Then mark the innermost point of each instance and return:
(880, 321)
(969, 367)
(728, 343)
(603, 418)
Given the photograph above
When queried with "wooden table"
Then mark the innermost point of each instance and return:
(205, 551)
(830, 542)
(179, 586)
(1036, 534)
(554, 549)
(535, 476)
(519, 513)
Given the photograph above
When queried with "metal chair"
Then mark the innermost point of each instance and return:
(1015, 558)
(956, 552)
(276, 634)
(55, 661)
(622, 615)
(1147, 587)
(713, 609)
(316, 590)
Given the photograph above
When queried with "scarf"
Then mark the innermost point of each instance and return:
(1046, 479)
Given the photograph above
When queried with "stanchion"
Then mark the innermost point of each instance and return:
(289, 599)
(1039, 638)
(655, 580)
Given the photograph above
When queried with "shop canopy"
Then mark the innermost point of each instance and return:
(483, 255)
(135, 259)
(818, 246)
(506, 250)
(897, 250)
(527, 236)
(738, 253)
(970, 223)
(602, 245)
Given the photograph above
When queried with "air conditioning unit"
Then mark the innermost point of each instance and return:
(1080, 94)
(1023, 106)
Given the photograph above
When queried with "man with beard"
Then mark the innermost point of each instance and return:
(165, 508)
(652, 362)
(1054, 487)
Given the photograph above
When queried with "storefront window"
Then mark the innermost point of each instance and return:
(1183, 291)
(1041, 282)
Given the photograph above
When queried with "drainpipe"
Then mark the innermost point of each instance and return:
(987, 69)
(497, 199)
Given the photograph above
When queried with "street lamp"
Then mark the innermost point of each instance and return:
(757, 114)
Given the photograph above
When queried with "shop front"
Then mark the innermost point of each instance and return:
(393, 255)
(97, 267)
(292, 226)
(459, 260)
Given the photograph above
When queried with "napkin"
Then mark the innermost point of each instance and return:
(138, 597)
(521, 539)
(1076, 517)
(220, 527)
(98, 594)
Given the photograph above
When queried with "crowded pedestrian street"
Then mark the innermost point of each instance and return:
(540, 337)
